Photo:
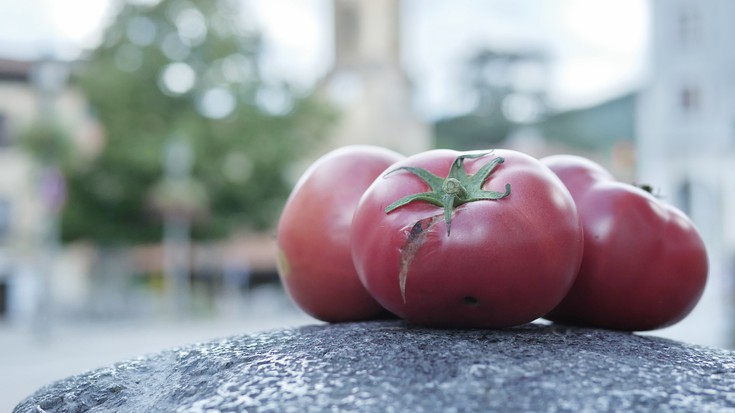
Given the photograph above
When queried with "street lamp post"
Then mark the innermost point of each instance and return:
(178, 160)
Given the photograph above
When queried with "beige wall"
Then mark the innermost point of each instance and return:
(368, 84)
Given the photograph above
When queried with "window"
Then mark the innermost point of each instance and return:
(4, 218)
(690, 99)
(689, 26)
(4, 138)
(347, 32)
(3, 297)
(350, 25)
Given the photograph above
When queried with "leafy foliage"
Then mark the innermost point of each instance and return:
(186, 70)
(493, 79)
(488, 77)
(46, 140)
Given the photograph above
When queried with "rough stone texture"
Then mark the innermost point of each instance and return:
(389, 366)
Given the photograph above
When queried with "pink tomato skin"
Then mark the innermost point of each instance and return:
(313, 234)
(506, 262)
(644, 266)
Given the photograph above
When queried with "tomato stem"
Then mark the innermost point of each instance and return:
(646, 187)
(456, 189)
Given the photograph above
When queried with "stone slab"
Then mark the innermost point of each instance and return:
(389, 366)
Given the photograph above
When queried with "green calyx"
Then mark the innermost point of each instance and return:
(456, 189)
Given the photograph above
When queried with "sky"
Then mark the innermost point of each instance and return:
(597, 47)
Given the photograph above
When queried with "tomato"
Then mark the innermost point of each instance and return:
(454, 239)
(644, 264)
(313, 234)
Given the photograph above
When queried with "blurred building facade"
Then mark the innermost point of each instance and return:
(368, 83)
(16, 199)
(686, 128)
(687, 114)
(21, 211)
(33, 269)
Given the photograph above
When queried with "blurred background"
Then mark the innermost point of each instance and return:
(147, 147)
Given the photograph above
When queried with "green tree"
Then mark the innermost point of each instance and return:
(186, 70)
(499, 83)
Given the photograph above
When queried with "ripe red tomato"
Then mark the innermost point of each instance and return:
(509, 257)
(315, 262)
(644, 265)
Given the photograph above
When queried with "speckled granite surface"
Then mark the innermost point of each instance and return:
(389, 366)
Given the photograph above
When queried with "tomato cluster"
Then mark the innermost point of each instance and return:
(484, 240)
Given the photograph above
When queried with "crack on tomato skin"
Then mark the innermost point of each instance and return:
(416, 231)
(415, 238)
(471, 301)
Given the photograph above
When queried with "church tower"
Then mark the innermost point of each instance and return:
(367, 82)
